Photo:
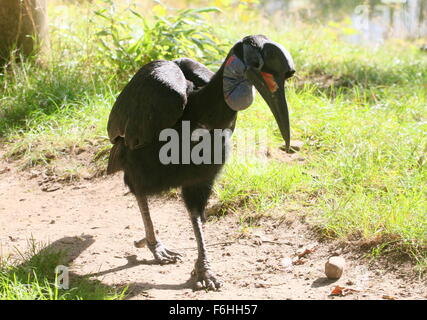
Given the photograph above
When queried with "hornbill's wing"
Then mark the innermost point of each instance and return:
(153, 100)
(194, 71)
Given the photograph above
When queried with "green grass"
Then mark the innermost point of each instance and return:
(32, 277)
(360, 113)
(257, 185)
(368, 160)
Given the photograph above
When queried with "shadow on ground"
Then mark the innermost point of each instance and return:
(42, 264)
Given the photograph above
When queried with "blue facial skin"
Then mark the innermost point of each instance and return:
(238, 92)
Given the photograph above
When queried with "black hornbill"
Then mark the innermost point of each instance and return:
(167, 94)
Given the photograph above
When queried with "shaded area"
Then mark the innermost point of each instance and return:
(322, 282)
(38, 270)
(132, 261)
(34, 277)
(137, 288)
(23, 25)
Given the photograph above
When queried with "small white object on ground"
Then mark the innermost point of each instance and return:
(287, 264)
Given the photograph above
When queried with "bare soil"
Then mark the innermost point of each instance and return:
(97, 221)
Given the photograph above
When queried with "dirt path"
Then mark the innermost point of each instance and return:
(98, 223)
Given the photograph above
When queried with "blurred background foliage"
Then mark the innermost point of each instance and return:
(129, 40)
(123, 35)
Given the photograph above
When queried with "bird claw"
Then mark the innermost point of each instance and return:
(163, 255)
(205, 279)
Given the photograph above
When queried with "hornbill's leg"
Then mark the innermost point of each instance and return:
(196, 198)
(161, 254)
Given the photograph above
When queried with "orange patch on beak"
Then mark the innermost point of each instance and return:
(269, 80)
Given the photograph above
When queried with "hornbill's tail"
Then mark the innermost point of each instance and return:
(116, 154)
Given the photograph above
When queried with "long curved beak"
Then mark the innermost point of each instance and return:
(273, 92)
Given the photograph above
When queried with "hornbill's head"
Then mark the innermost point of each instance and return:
(260, 62)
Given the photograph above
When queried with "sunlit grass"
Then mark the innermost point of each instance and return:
(365, 160)
(257, 185)
(32, 276)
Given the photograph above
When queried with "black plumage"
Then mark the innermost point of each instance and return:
(162, 95)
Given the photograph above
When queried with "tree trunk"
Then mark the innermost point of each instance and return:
(23, 26)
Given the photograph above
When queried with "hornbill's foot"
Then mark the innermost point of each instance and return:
(204, 277)
(160, 252)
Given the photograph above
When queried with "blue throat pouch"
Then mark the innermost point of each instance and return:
(238, 92)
